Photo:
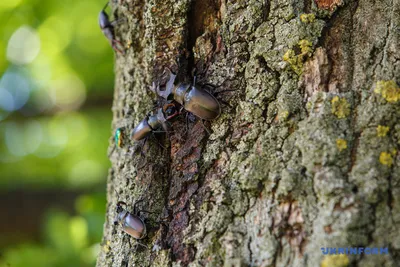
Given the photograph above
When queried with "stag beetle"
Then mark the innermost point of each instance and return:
(156, 121)
(107, 27)
(131, 223)
(191, 96)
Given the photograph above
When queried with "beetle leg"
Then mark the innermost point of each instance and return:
(163, 131)
(142, 147)
(115, 42)
(204, 126)
(209, 85)
(138, 243)
(225, 91)
(187, 123)
(222, 101)
(188, 119)
(135, 211)
(163, 220)
(117, 21)
(225, 103)
(142, 154)
(203, 73)
(213, 87)
(153, 135)
(140, 166)
(145, 211)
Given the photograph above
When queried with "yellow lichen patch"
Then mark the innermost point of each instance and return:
(283, 115)
(341, 144)
(394, 152)
(128, 44)
(340, 107)
(305, 46)
(106, 247)
(340, 260)
(386, 159)
(296, 61)
(382, 130)
(289, 55)
(307, 18)
(389, 90)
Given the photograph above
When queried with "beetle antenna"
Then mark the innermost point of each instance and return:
(106, 6)
(204, 126)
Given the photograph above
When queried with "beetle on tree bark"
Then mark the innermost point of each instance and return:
(298, 162)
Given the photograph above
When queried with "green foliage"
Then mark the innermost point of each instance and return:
(70, 40)
(68, 240)
(46, 139)
(56, 87)
(70, 151)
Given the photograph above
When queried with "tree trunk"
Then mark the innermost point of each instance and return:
(304, 155)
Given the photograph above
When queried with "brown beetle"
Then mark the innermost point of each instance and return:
(191, 96)
(107, 27)
(154, 122)
(131, 223)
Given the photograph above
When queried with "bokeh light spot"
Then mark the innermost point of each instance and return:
(58, 135)
(13, 139)
(6, 100)
(41, 70)
(87, 32)
(9, 4)
(90, 254)
(79, 231)
(15, 89)
(85, 172)
(84, 204)
(77, 128)
(55, 34)
(23, 46)
(68, 93)
(33, 136)
(25, 139)
(55, 139)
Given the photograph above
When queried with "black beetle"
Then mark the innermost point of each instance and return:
(153, 122)
(107, 27)
(192, 97)
(131, 223)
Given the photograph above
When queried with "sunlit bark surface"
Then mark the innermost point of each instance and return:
(305, 153)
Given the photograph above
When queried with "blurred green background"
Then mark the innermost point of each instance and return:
(56, 87)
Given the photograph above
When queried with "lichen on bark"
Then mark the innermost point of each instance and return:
(293, 164)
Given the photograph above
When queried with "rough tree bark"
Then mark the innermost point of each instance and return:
(303, 157)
